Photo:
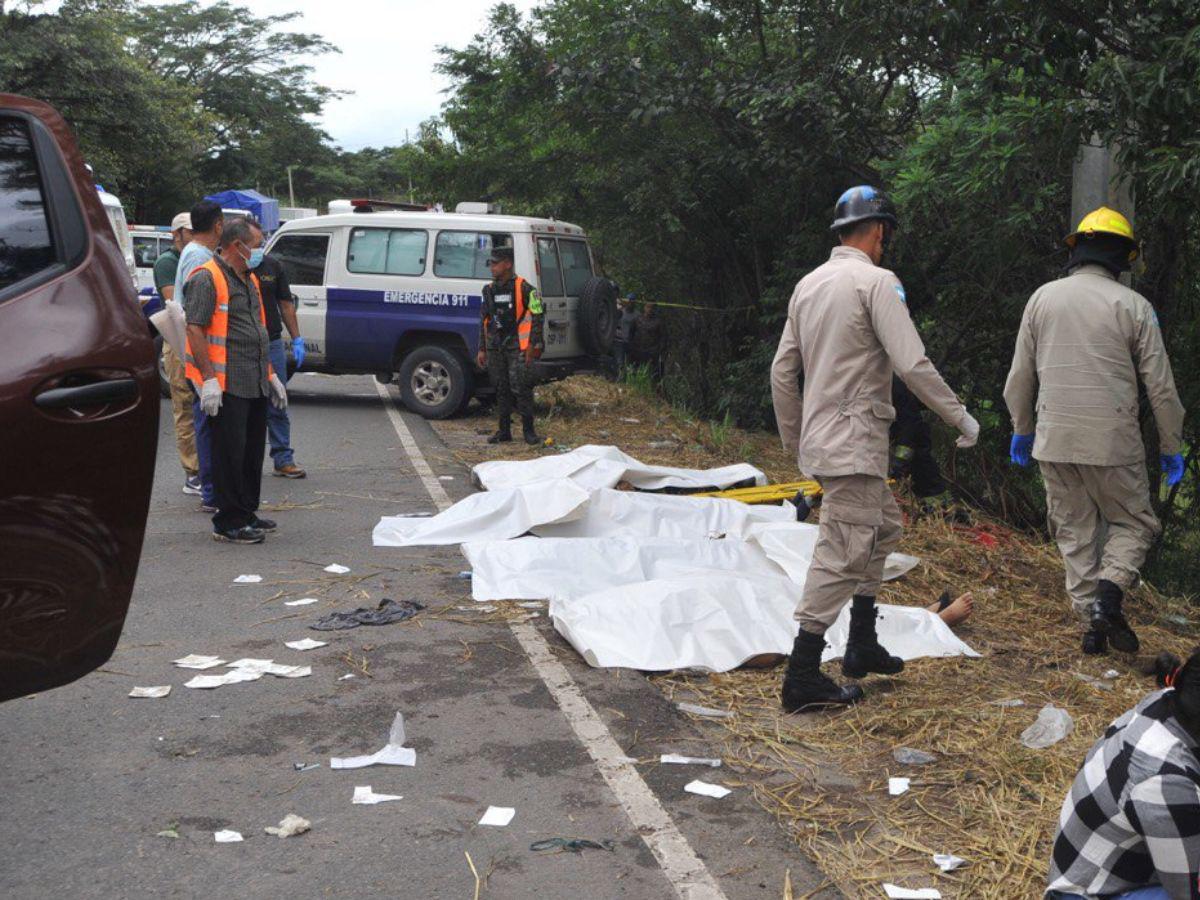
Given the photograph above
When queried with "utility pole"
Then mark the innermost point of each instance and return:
(1097, 180)
(291, 192)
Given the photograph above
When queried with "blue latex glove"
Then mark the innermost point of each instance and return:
(1173, 466)
(1021, 448)
(298, 351)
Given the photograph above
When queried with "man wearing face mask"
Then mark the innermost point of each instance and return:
(847, 331)
(228, 360)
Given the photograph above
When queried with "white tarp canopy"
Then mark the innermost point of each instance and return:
(491, 515)
(594, 466)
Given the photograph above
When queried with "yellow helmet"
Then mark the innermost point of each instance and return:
(1105, 221)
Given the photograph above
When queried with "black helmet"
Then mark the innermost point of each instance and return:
(860, 204)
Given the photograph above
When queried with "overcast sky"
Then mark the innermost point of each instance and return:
(389, 48)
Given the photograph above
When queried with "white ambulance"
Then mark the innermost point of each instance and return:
(397, 294)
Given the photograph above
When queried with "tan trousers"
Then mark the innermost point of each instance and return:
(181, 406)
(860, 525)
(1102, 521)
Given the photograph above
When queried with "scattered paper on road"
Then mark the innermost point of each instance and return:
(227, 836)
(306, 644)
(302, 602)
(346, 677)
(154, 692)
(499, 816)
(234, 676)
(364, 795)
(900, 893)
(898, 786)
(394, 752)
(705, 711)
(247, 579)
(704, 789)
(270, 667)
(337, 569)
(947, 862)
(290, 826)
(676, 759)
(194, 661)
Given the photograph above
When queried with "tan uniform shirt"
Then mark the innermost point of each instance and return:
(847, 330)
(1083, 342)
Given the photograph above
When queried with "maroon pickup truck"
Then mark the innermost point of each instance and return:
(78, 411)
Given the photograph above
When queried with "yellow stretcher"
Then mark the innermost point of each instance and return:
(767, 493)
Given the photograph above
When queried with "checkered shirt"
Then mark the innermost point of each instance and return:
(1132, 818)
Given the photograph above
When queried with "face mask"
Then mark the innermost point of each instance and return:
(256, 258)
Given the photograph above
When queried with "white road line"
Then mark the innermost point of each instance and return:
(679, 862)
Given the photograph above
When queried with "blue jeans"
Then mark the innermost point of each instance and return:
(1146, 893)
(279, 426)
(203, 450)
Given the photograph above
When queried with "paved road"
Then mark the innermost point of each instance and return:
(90, 777)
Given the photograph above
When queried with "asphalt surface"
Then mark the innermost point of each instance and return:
(91, 777)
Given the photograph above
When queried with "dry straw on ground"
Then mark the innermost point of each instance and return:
(987, 798)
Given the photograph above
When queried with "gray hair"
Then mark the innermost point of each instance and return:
(240, 229)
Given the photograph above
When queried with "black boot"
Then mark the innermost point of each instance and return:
(1095, 642)
(804, 686)
(531, 436)
(503, 435)
(1108, 620)
(864, 653)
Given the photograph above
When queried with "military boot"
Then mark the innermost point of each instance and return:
(503, 435)
(531, 436)
(1095, 642)
(864, 654)
(804, 686)
(1108, 620)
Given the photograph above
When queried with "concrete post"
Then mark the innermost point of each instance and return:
(1097, 180)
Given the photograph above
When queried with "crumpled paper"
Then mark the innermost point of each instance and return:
(289, 826)
(1052, 725)
(394, 753)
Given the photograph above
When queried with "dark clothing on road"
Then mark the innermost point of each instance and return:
(246, 344)
(238, 438)
(275, 288)
(912, 442)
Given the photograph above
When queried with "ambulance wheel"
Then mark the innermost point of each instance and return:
(164, 382)
(434, 381)
(597, 315)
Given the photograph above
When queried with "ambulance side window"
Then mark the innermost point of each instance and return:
(576, 265)
(302, 257)
(464, 254)
(551, 271)
(387, 251)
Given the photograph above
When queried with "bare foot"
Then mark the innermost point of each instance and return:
(957, 611)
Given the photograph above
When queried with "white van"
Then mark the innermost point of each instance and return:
(120, 227)
(397, 294)
(149, 242)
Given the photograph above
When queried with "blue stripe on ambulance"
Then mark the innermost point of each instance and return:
(362, 328)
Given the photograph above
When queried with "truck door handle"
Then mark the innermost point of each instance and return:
(311, 302)
(99, 393)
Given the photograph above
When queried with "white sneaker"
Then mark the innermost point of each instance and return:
(191, 485)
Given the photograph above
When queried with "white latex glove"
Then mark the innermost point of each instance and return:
(279, 393)
(210, 397)
(970, 432)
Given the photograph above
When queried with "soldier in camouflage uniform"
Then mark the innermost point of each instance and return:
(510, 339)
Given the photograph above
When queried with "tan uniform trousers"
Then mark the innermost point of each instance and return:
(1102, 520)
(860, 525)
(181, 406)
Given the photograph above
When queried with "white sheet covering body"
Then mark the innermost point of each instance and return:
(533, 568)
(610, 512)
(491, 515)
(594, 466)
